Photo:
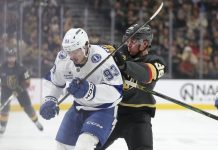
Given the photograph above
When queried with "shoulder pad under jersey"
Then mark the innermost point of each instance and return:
(108, 48)
(61, 57)
(153, 58)
(62, 61)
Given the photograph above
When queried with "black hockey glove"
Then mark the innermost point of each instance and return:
(120, 59)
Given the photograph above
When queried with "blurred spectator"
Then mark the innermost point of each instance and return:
(191, 21)
(213, 67)
(119, 16)
(188, 65)
(97, 5)
(176, 60)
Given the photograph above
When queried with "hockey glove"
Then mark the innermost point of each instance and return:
(82, 89)
(49, 108)
(120, 59)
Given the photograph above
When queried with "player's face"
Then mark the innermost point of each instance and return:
(77, 56)
(11, 59)
(135, 46)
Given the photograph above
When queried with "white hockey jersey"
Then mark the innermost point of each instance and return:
(107, 78)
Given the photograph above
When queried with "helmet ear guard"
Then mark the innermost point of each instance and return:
(74, 39)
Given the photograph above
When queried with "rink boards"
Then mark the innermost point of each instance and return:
(199, 93)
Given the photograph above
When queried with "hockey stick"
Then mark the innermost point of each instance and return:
(9, 99)
(143, 88)
(120, 46)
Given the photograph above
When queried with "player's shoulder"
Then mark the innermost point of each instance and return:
(61, 56)
(103, 48)
(62, 61)
(97, 53)
(157, 61)
(20, 66)
(154, 58)
(108, 48)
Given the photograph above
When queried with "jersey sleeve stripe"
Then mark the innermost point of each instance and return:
(103, 106)
(152, 72)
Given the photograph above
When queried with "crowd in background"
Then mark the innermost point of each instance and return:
(190, 18)
(193, 21)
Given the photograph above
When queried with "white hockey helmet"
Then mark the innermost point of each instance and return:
(74, 39)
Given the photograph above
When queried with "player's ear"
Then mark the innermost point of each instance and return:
(145, 44)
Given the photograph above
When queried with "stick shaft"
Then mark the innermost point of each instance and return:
(145, 89)
(121, 45)
(9, 99)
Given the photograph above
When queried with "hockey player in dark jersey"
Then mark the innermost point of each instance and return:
(14, 81)
(137, 107)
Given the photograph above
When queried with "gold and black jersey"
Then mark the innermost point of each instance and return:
(11, 78)
(145, 71)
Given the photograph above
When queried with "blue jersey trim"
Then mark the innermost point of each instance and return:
(119, 88)
(103, 106)
(48, 76)
(107, 105)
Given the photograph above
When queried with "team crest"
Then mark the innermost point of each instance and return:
(62, 55)
(96, 58)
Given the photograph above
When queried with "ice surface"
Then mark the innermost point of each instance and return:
(173, 130)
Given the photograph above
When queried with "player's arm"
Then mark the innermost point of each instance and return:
(55, 78)
(49, 107)
(55, 89)
(108, 92)
(145, 72)
(25, 79)
(57, 82)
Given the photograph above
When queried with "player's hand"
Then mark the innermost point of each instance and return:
(49, 108)
(120, 59)
(82, 89)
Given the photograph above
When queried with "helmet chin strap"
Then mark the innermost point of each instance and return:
(85, 51)
(84, 48)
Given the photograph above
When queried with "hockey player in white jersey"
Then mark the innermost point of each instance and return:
(90, 120)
